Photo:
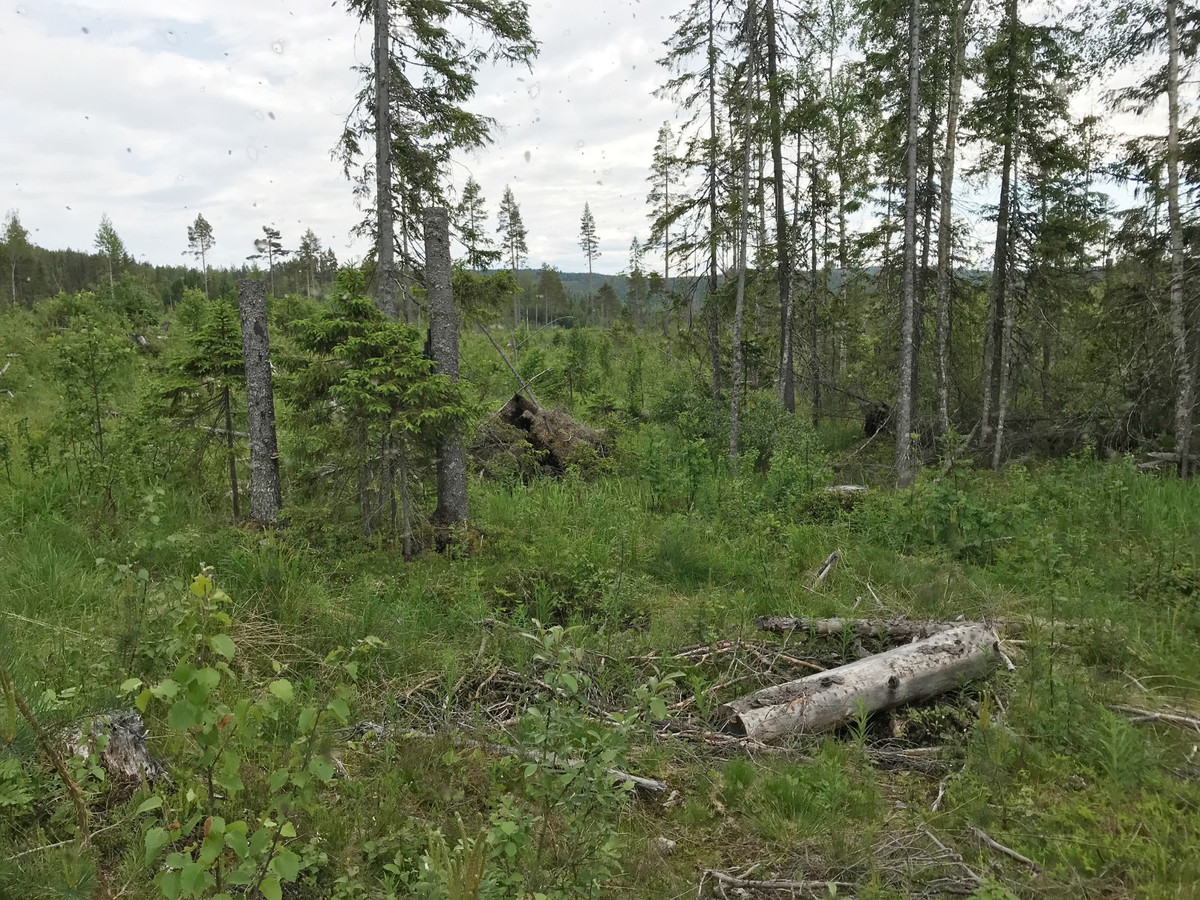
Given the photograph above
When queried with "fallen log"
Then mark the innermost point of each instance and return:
(755, 886)
(906, 674)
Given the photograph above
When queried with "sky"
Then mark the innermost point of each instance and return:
(154, 112)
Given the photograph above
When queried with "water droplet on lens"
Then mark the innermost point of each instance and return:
(84, 29)
(172, 37)
(252, 154)
(534, 91)
(579, 145)
(271, 116)
(277, 46)
(528, 156)
(258, 114)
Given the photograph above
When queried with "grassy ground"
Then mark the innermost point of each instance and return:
(655, 549)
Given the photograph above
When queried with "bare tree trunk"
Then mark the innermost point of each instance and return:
(736, 376)
(814, 300)
(366, 497)
(904, 394)
(1185, 376)
(443, 338)
(233, 479)
(265, 492)
(1000, 264)
(405, 503)
(1006, 365)
(945, 270)
(385, 238)
(787, 386)
(712, 174)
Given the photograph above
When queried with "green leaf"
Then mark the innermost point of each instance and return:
(270, 889)
(237, 842)
(213, 846)
(287, 830)
(168, 883)
(286, 865)
(278, 779)
(223, 645)
(282, 688)
(129, 685)
(259, 841)
(165, 690)
(156, 839)
(322, 767)
(183, 715)
(148, 804)
(143, 700)
(341, 709)
(203, 683)
(193, 879)
(308, 717)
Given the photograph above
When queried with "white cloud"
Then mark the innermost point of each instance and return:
(155, 112)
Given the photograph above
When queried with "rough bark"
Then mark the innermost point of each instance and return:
(787, 388)
(997, 291)
(736, 376)
(816, 289)
(265, 491)
(906, 674)
(1185, 376)
(1006, 366)
(386, 230)
(443, 339)
(233, 479)
(945, 264)
(904, 392)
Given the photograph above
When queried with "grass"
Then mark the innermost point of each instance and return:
(647, 562)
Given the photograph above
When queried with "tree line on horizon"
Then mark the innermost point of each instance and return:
(794, 126)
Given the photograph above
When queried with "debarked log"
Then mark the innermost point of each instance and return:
(906, 674)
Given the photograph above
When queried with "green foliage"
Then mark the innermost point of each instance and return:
(221, 833)
(364, 390)
(91, 358)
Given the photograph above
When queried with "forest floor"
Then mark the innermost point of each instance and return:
(656, 563)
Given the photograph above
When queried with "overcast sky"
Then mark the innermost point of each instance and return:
(155, 111)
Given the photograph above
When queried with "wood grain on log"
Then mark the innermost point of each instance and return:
(906, 674)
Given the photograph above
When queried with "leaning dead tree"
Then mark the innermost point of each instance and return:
(443, 341)
(906, 674)
(265, 493)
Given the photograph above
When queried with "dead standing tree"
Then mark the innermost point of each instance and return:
(265, 493)
(443, 341)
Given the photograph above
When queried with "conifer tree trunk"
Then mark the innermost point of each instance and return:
(233, 479)
(443, 338)
(998, 289)
(945, 269)
(1006, 366)
(787, 387)
(736, 376)
(817, 289)
(265, 492)
(1185, 375)
(386, 236)
(713, 276)
(904, 394)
